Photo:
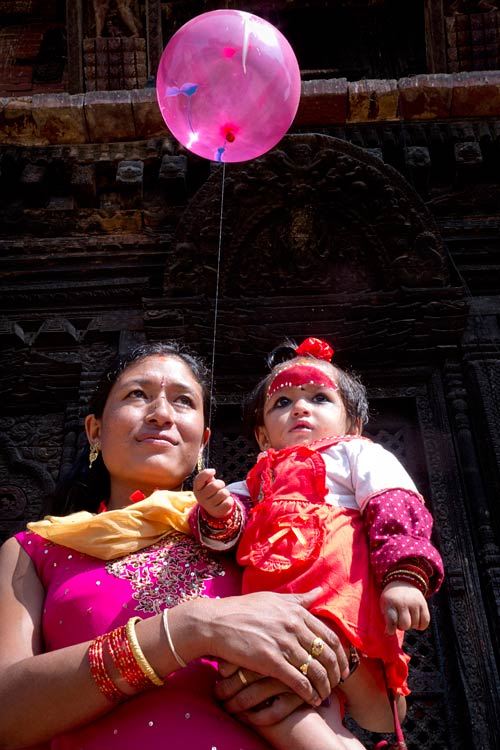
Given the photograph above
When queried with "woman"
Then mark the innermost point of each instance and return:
(61, 682)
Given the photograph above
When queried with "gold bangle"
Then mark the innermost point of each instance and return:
(141, 660)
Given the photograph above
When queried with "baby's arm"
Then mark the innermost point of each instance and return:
(218, 519)
(212, 494)
(307, 728)
(407, 566)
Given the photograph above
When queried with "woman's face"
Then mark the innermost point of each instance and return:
(152, 427)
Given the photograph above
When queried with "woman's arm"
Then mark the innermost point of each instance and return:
(41, 694)
(45, 694)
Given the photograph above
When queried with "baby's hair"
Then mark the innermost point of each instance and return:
(351, 389)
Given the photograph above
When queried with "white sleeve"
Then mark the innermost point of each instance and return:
(367, 469)
(238, 488)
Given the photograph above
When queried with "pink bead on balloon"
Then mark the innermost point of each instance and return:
(228, 85)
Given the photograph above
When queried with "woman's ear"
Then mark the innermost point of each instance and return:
(205, 438)
(262, 437)
(92, 428)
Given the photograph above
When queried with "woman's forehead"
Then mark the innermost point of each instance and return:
(164, 367)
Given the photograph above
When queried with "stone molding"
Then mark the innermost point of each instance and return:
(114, 116)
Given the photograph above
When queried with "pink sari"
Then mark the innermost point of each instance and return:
(86, 596)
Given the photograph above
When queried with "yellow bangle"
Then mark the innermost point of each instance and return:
(141, 660)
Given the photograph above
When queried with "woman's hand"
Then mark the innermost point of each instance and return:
(268, 633)
(404, 607)
(252, 698)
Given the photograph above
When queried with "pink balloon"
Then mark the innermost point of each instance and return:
(228, 85)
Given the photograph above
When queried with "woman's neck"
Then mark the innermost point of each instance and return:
(122, 496)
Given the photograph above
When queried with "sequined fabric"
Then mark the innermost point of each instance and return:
(86, 596)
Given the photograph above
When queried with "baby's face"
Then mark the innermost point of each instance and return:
(303, 405)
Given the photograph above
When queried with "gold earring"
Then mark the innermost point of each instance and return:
(199, 463)
(94, 452)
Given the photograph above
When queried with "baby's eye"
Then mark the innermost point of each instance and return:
(320, 398)
(281, 402)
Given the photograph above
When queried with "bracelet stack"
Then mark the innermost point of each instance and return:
(128, 658)
(221, 529)
(100, 673)
(408, 572)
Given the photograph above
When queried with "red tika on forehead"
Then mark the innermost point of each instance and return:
(297, 375)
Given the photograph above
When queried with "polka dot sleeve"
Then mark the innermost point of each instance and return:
(399, 528)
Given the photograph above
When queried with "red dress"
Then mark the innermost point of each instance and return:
(295, 541)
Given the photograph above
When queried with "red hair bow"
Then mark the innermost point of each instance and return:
(315, 348)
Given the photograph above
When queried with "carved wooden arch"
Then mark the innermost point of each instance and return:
(23, 484)
(318, 214)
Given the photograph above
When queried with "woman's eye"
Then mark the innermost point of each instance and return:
(137, 393)
(185, 400)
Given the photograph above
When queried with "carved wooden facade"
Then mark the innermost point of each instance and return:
(381, 236)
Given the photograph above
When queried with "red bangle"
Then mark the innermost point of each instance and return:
(407, 576)
(124, 661)
(100, 673)
(221, 529)
(424, 566)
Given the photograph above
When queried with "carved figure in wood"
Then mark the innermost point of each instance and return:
(124, 8)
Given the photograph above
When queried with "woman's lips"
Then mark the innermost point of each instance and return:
(156, 438)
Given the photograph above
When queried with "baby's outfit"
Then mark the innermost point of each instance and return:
(341, 513)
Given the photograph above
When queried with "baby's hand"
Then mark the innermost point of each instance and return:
(404, 607)
(212, 495)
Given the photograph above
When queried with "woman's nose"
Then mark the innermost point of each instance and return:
(161, 411)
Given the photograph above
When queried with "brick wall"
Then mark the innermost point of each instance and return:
(28, 65)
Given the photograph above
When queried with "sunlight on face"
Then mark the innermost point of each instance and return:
(152, 427)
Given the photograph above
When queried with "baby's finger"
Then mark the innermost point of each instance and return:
(269, 712)
(391, 620)
(421, 618)
(201, 479)
(218, 487)
(405, 619)
(254, 695)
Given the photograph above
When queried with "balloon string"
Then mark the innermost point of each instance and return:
(216, 305)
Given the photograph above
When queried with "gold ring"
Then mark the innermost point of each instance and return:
(305, 666)
(317, 647)
(242, 677)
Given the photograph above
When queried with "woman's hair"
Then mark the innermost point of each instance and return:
(351, 389)
(84, 488)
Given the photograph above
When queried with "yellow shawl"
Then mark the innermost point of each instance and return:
(120, 532)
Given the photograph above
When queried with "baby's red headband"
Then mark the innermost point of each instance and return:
(298, 374)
